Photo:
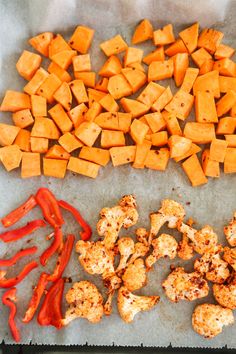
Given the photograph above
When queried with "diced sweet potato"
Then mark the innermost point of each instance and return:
(155, 121)
(210, 39)
(23, 140)
(79, 91)
(54, 168)
(94, 95)
(136, 108)
(119, 87)
(57, 152)
(102, 84)
(208, 82)
(200, 56)
(159, 138)
(190, 37)
(88, 78)
(28, 64)
(135, 78)
(93, 112)
(233, 111)
(64, 58)
(133, 55)
(151, 93)
(111, 67)
(224, 51)
(76, 114)
(230, 161)
(8, 133)
(63, 96)
(38, 106)
(124, 121)
(172, 123)
(23, 119)
(81, 63)
(69, 142)
(205, 108)
(39, 144)
(206, 66)
(88, 132)
(45, 128)
(81, 39)
(181, 64)
(194, 149)
(156, 55)
(177, 47)
(62, 74)
(178, 145)
(218, 150)
(122, 155)
(210, 167)
(30, 165)
(180, 105)
(110, 138)
(109, 104)
(225, 67)
(33, 85)
(138, 66)
(143, 120)
(114, 121)
(57, 45)
(193, 170)
(41, 42)
(160, 70)
(141, 154)
(189, 79)
(82, 167)
(162, 100)
(164, 36)
(14, 101)
(10, 156)
(49, 87)
(227, 83)
(231, 140)
(96, 155)
(112, 46)
(138, 131)
(226, 125)
(200, 133)
(61, 118)
(143, 32)
(226, 103)
(157, 159)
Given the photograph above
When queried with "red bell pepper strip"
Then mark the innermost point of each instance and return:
(63, 259)
(19, 212)
(50, 313)
(8, 283)
(9, 299)
(57, 243)
(50, 207)
(87, 231)
(22, 253)
(16, 234)
(36, 297)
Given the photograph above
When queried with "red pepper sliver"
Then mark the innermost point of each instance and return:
(22, 253)
(8, 283)
(87, 231)
(63, 259)
(19, 212)
(50, 313)
(9, 299)
(50, 207)
(57, 243)
(36, 297)
(16, 234)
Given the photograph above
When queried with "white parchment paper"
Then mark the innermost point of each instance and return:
(213, 203)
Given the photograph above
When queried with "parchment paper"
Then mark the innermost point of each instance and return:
(213, 203)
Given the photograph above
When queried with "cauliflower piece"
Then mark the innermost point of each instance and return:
(142, 235)
(112, 283)
(180, 285)
(230, 231)
(129, 304)
(208, 319)
(112, 219)
(171, 212)
(230, 256)
(185, 248)
(212, 266)
(225, 294)
(125, 248)
(163, 246)
(202, 240)
(135, 275)
(140, 251)
(84, 301)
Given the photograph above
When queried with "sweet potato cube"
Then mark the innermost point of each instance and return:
(227, 83)
(124, 121)
(45, 128)
(111, 67)
(141, 154)
(190, 37)
(156, 55)
(38, 106)
(189, 79)
(177, 47)
(134, 107)
(39, 144)
(200, 56)
(230, 161)
(224, 51)
(69, 142)
(114, 121)
(160, 70)
(81, 63)
(94, 95)
(41, 42)
(23, 140)
(194, 149)
(143, 120)
(218, 150)
(57, 45)
(226, 103)
(155, 121)
(14, 101)
(112, 46)
(208, 82)
(79, 91)
(49, 87)
(30, 165)
(143, 32)
(96, 155)
(64, 58)
(57, 152)
(93, 112)
(200, 133)
(28, 64)
(23, 119)
(39, 77)
(210, 39)
(226, 67)
(162, 100)
(62, 74)
(122, 155)
(138, 131)
(231, 140)
(233, 111)
(88, 78)
(10, 156)
(54, 168)
(63, 96)
(102, 84)
(159, 138)
(193, 170)
(109, 104)
(82, 167)
(210, 167)
(135, 78)
(110, 138)
(8, 134)
(133, 55)
(60, 117)
(151, 93)
(172, 123)
(81, 39)
(88, 132)
(226, 125)
(178, 145)
(157, 159)
(164, 36)
(181, 64)
(76, 114)
(206, 66)
(119, 87)
(180, 105)
(205, 108)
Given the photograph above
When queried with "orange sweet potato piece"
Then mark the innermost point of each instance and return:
(49, 87)
(133, 55)
(226, 67)
(96, 155)
(23, 118)
(57, 45)
(138, 131)
(200, 133)
(114, 121)
(226, 103)
(156, 55)
(200, 56)
(122, 155)
(189, 79)
(155, 121)
(79, 91)
(93, 112)
(110, 138)
(231, 140)
(210, 39)
(134, 107)
(181, 64)
(109, 104)
(82, 167)
(28, 64)
(226, 125)
(76, 114)
(63, 96)
(164, 36)
(39, 77)
(205, 108)
(208, 82)
(111, 67)
(135, 78)
(88, 78)
(159, 138)
(14, 101)
(143, 32)
(62, 74)
(64, 58)
(45, 128)
(210, 167)
(194, 149)
(39, 144)
(141, 154)
(112, 46)
(124, 121)
(218, 150)
(69, 142)
(81, 39)
(193, 170)
(177, 47)
(180, 105)
(230, 161)
(38, 106)
(23, 140)
(30, 165)
(54, 168)
(162, 100)
(41, 42)
(151, 93)
(190, 37)
(178, 145)
(8, 133)
(157, 159)
(57, 152)
(60, 117)
(227, 83)
(138, 66)
(233, 111)
(224, 51)
(119, 87)
(94, 95)
(88, 132)
(206, 67)
(172, 123)
(81, 63)
(10, 156)
(160, 70)
(102, 84)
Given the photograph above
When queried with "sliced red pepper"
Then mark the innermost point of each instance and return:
(22, 253)
(63, 259)
(57, 243)
(87, 231)
(50, 207)
(36, 297)
(9, 299)
(19, 212)
(50, 313)
(8, 283)
(16, 234)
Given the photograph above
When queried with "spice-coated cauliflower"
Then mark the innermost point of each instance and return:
(185, 248)
(230, 256)
(135, 275)
(230, 231)
(126, 249)
(225, 294)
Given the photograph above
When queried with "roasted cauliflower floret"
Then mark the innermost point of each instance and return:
(140, 251)
(230, 231)
(142, 235)
(230, 256)
(129, 304)
(208, 319)
(180, 285)
(125, 248)
(113, 219)
(112, 283)
(225, 294)
(163, 246)
(84, 301)
(185, 248)
(135, 275)
(212, 266)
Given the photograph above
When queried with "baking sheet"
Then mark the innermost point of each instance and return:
(213, 203)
